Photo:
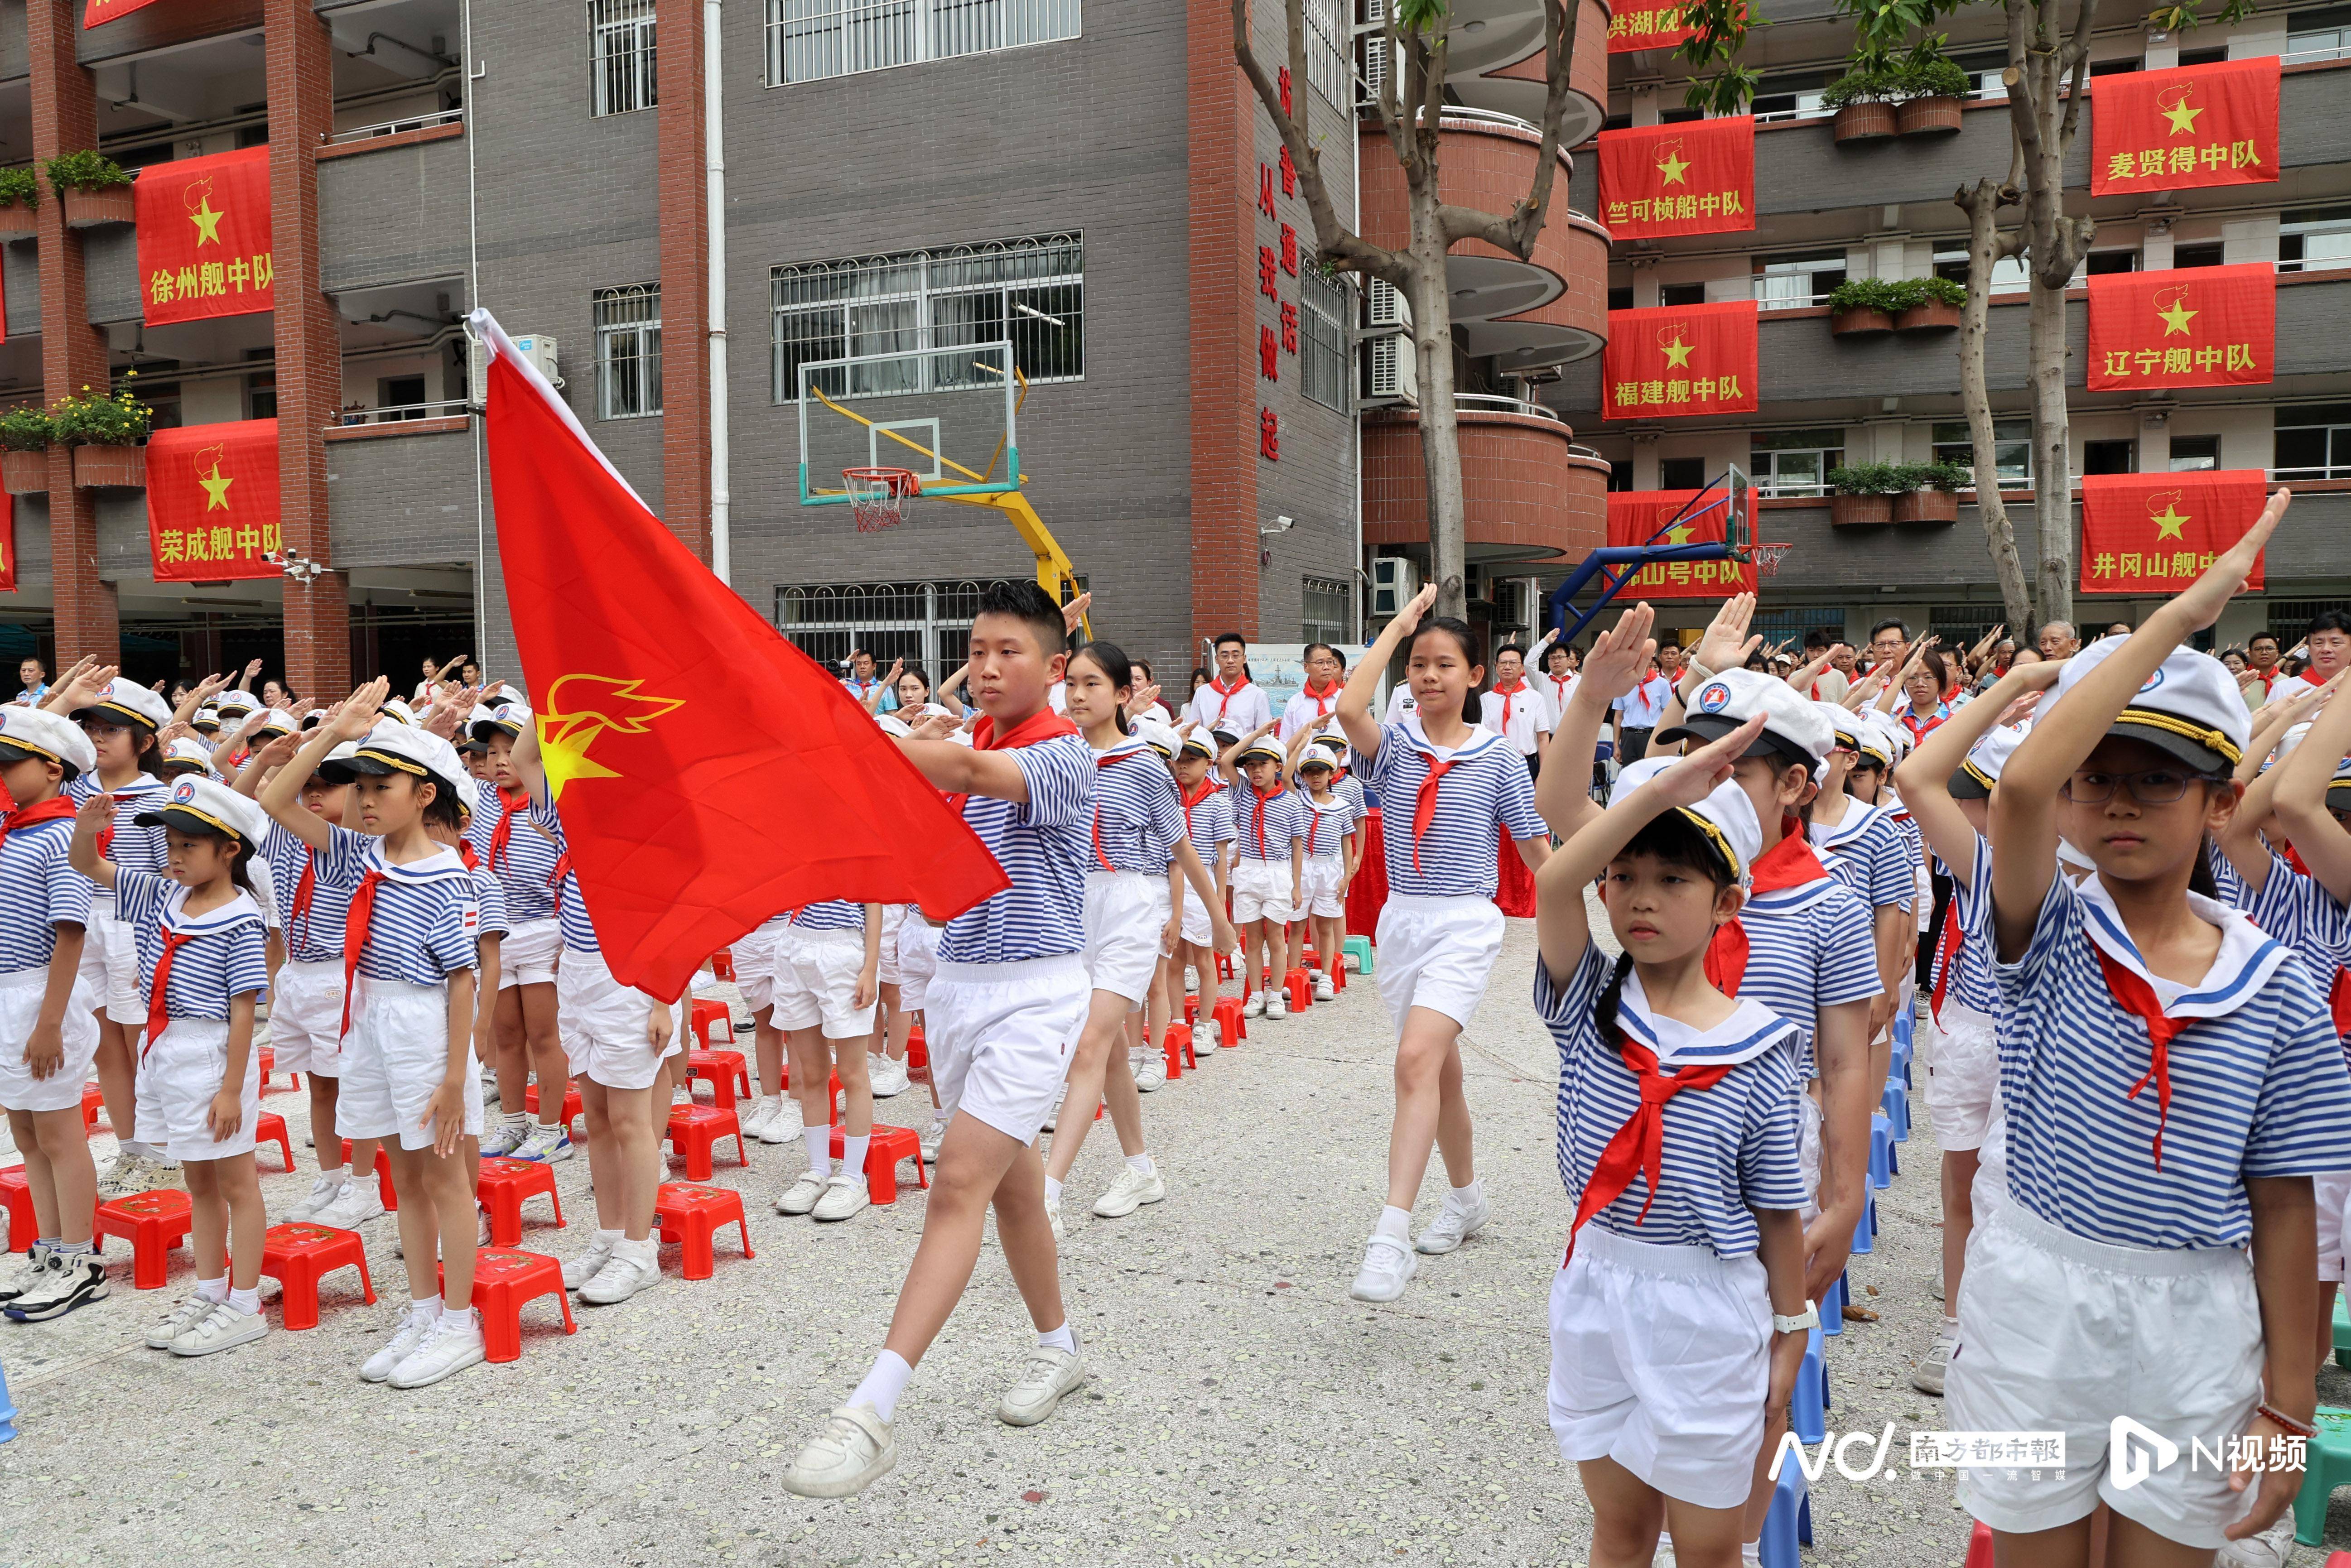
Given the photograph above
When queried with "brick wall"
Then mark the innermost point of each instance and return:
(685, 277)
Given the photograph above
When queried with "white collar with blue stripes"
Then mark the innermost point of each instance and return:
(1480, 740)
(235, 912)
(2244, 965)
(1858, 814)
(1751, 1029)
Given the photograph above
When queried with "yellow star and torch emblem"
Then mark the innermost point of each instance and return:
(1672, 164)
(201, 212)
(215, 482)
(2176, 315)
(2171, 519)
(578, 710)
(1677, 352)
(2182, 117)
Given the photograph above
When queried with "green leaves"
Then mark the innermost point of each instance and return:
(25, 430)
(20, 187)
(1420, 16)
(86, 171)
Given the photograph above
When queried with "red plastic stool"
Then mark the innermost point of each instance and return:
(1979, 1548)
(93, 1100)
(889, 1145)
(694, 1129)
(154, 1223)
(382, 1174)
(724, 1070)
(570, 1103)
(503, 1282)
(1231, 1030)
(918, 1056)
(271, 1129)
(16, 1192)
(296, 1253)
(1176, 1047)
(1338, 973)
(722, 964)
(689, 1213)
(504, 1184)
(1301, 986)
(268, 1066)
(706, 1016)
(1224, 966)
(1191, 1010)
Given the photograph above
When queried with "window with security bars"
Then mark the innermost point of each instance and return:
(628, 352)
(925, 623)
(1327, 305)
(1962, 626)
(1327, 611)
(621, 55)
(1031, 292)
(1327, 63)
(2290, 619)
(809, 40)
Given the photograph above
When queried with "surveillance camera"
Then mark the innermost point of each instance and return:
(1278, 525)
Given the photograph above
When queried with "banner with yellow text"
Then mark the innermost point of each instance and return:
(1680, 361)
(204, 237)
(2156, 533)
(2188, 327)
(1635, 516)
(2195, 125)
(212, 500)
(1695, 178)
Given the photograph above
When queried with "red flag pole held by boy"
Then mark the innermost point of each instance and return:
(708, 772)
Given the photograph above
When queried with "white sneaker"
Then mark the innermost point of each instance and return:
(1388, 1263)
(222, 1328)
(760, 1114)
(845, 1196)
(852, 1452)
(1130, 1192)
(889, 1078)
(1191, 981)
(1204, 1039)
(1255, 1006)
(358, 1202)
(1275, 1007)
(587, 1263)
(452, 1344)
(503, 1136)
(544, 1145)
(323, 1191)
(127, 1173)
(1053, 1213)
(2273, 1548)
(410, 1333)
(1324, 990)
(182, 1318)
(801, 1196)
(1050, 1373)
(1454, 1225)
(932, 1136)
(32, 1266)
(634, 1265)
(1927, 1378)
(784, 1124)
(1150, 1070)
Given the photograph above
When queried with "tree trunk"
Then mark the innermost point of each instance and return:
(1440, 435)
(1981, 203)
(2052, 476)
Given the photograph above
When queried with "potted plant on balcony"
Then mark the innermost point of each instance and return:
(1864, 100)
(25, 451)
(1860, 306)
(1930, 92)
(1927, 304)
(20, 195)
(104, 429)
(1930, 491)
(1864, 495)
(96, 189)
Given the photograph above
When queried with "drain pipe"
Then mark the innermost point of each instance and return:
(714, 155)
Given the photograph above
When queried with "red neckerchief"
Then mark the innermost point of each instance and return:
(504, 831)
(2137, 998)
(1257, 817)
(1101, 763)
(562, 869)
(1207, 788)
(1226, 693)
(1639, 1145)
(1919, 732)
(1946, 959)
(304, 891)
(1423, 808)
(2288, 855)
(355, 935)
(1505, 694)
(1791, 862)
(1559, 684)
(158, 1014)
(1643, 689)
(2269, 678)
(466, 852)
(55, 808)
(1322, 707)
(1314, 820)
(1042, 725)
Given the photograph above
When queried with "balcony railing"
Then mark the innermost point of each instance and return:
(1493, 402)
(403, 413)
(394, 126)
(1460, 113)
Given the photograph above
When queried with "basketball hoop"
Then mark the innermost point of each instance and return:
(1767, 556)
(878, 496)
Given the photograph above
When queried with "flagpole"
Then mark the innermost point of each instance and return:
(722, 543)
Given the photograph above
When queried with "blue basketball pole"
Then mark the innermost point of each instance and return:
(1616, 564)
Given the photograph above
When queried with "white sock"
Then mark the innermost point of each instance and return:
(1063, 1339)
(1950, 1328)
(1394, 1221)
(1052, 1191)
(1466, 1198)
(424, 1308)
(853, 1154)
(246, 1301)
(1141, 1164)
(611, 1238)
(213, 1291)
(1751, 1551)
(883, 1385)
(818, 1139)
(463, 1317)
(518, 1119)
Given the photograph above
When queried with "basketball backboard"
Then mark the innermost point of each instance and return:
(945, 416)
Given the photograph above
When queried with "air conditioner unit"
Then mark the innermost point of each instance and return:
(1385, 306)
(1376, 60)
(536, 347)
(1517, 602)
(1395, 580)
(1391, 371)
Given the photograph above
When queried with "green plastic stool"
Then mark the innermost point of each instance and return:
(2342, 1330)
(2329, 1459)
(1360, 950)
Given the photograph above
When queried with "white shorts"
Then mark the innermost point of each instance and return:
(1261, 891)
(1321, 889)
(1660, 1360)
(109, 966)
(1962, 1075)
(816, 982)
(1199, 926)
(20, 1007)
(529, 952)
(394, 1057)
(999, 1035)
(187, 1067)
(1437, 953)
(1989, 1193)
(918, 960)
(754, 955)
(2332, 1188)
(2058, 1334)
(1123, 924)
(886, 972)
(602, 1023)
(1807, 1152)
(306, 1015)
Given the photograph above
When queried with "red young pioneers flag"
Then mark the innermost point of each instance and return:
(708, 772)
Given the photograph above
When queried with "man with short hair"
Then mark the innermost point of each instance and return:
(2261, 668)
(1830, 684)
(35, 685)
(1231, 704)
(1638, 711)
(862, 680)
(2326, 647)
(1889, 641)
(2058, 640)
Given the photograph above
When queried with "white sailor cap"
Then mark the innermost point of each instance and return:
(1793, 728)
(2189, 709)
(198, 805)
(126, 702)
(1725, 818)
(35, 732)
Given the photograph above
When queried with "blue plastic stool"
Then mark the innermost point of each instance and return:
(1808, 1409)
(1865, 1229)
(2342, 1330)
(1896, 1103)
(7, 1410)
(1881, 1150)
(1905, 1026)
(1833, 1308)
(1360, 949)
(1790, 1523)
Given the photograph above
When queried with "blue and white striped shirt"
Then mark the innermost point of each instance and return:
(1487, 787)
(1971, 983)
(1137, 816)
(570, 903)
(1045, 847)
(2258, 1086)
(38, 893)
(491, 897)
(227, 956)
(423, 928)
(1327, 827)
(1728, 1150)
(830, 915)
(1208, 823)
(1809, 947)
(2299, 911)
(315, 936)
(525, 867)
(133, 848)
(1265, 827)
(1872, 855)
(1349, 789)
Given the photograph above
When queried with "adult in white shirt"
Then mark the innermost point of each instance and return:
(1231, 704)
(1316, 708)
(1515, 709)
(1557, 683)
(1638, 710)
(2326, 648)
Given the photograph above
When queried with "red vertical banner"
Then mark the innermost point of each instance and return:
(99, 12)
(8, 545)
(2156, 533)
(1646, 25)
(2188, 327)
(212, 500)
(1635, 516)
(204, 246)
(1695, 178)
(2194, 125)
(1680, 361)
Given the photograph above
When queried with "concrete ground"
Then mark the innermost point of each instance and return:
(1243, 1408)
